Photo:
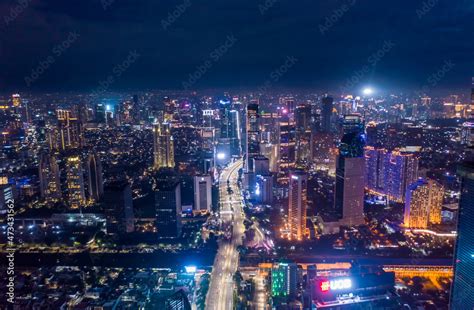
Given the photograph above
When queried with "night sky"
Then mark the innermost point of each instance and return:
(422, 38)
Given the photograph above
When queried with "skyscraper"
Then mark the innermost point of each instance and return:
(350, 171)
(403, 171)
(297, 203)
(94, 177)
(287, 141)
(50, 185)
(202, 193)
(100, 112)
(163, 146)
(326, 114)
(69, 133)
(253, 135)
(284, 279)
(168, 208)
(303, 134)
(75, 181)
(462, 289)
(423, 203)
(118, 207)
(234, 133)
(376, 161)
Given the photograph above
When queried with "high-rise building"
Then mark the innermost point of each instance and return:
(50, 185)
(75, 182)
(263, 192)
(118, 207)
(462, 289)
(284, 279)
(287, 141)
(168, 208)
(94, 177)
(303, 123)
(202, 193)
(68, 134)
(16, 100)
(350, 173)
(326, 114)
(253, 135)
(163, 146)
(377, 165)
(403, 171)
(234, 133)
(424, 200)
(100, 112)
(297, 203)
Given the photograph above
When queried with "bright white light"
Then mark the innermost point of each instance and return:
(190, 269)
(368, 91)
(220, 156)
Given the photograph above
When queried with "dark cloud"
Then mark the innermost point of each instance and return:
(287, 28)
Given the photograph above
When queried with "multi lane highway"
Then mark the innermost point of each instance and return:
(220, 295)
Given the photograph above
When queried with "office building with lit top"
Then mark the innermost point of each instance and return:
(353, 289)
(423, 203)
(350, 173)
(168, 208)
(75, 181)
(163, 146)
(297, 203)
(68, 134)
(202, 193)
(462, 289)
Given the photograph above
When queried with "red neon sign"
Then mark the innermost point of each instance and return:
(325, 286)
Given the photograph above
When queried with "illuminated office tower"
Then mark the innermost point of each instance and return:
(462, 289)
(287, 141)
(263, 192)
(350, 173)
(75, 182)
(16, 100)
(284, 277)
(326, 114)
(303, 125)
(94, 177)
(69, 131)
(376, 161)
(253, 139)
(168, 208)
(50, 186)
(202, 193)
(423, 203)
(288, 103)
(118, 207)
(403, 171)
(163, 146)
(234, 133)
(297, 202)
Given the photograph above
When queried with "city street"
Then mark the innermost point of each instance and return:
(220, 296)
